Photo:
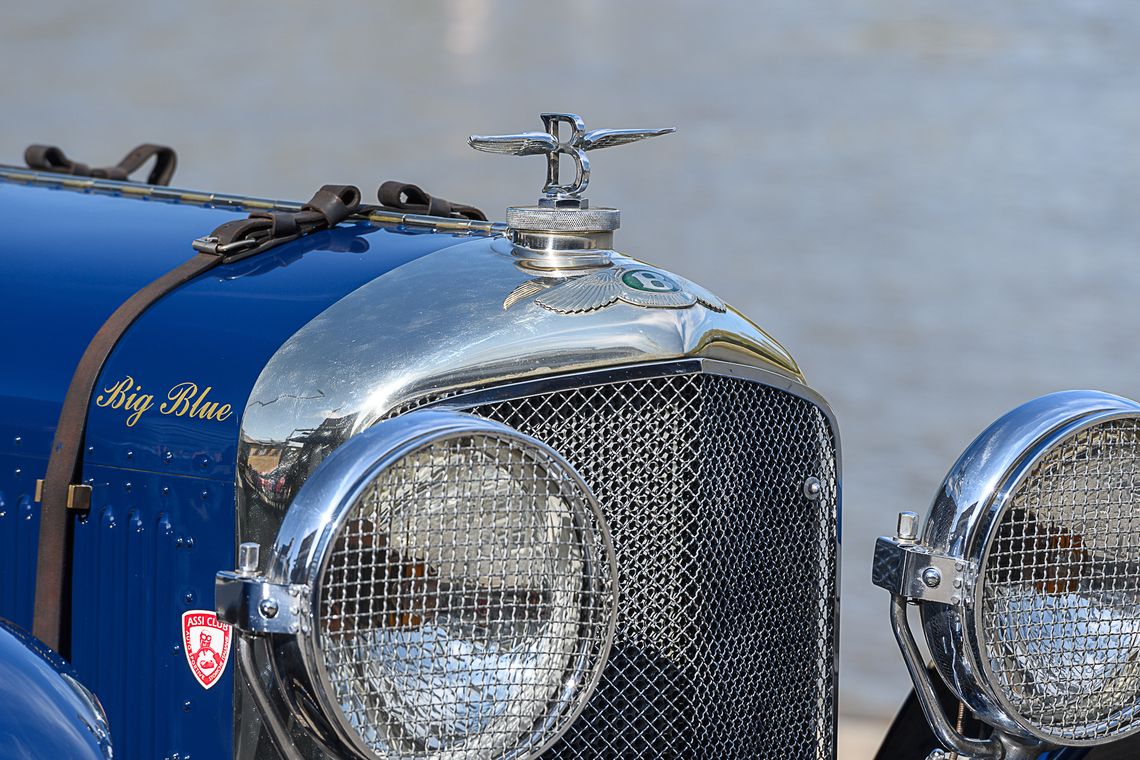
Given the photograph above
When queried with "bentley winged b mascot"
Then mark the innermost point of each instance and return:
(391, 481)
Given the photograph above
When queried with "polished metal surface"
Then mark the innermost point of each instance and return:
(469, 597)
(727, 630)
(455, 322)
(557, 252)
(946, 734)
(563, 219)
(563, 225)
(253, 604)
(360, 518)
(550, 144)
(914, 572)
(932, 577)
(438, 325)
(249, 558)
(1060, 601)
(968, 513)
(637, 285)
(726, 448)
(195, 197)
(906, 531)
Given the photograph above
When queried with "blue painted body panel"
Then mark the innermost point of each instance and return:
(67, 264)
(162, 521)
(45, 712)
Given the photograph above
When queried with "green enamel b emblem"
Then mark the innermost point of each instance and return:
(649, 281)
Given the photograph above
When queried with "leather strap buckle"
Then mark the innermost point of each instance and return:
(213, 245)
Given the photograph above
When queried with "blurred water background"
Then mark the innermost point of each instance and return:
(932, 205)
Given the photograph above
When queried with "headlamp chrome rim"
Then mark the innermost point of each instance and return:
(963, 524)
(304, 547)
(986, 536)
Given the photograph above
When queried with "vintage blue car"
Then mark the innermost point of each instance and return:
(333, 479)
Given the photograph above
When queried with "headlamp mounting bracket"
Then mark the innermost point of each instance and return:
(255, 605)
(919, 574)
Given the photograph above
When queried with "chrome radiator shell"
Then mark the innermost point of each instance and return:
(459, 327)
(727, 641)
(452, 321)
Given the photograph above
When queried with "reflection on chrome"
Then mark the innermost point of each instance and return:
(460, 613)
(1071, 652)
(430, 689)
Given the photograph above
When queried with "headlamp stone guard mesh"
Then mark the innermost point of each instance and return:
(1059, 611)
(727, 638)
(464, 568)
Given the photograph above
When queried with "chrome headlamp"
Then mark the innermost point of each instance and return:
(441, 587)
(1027, 576)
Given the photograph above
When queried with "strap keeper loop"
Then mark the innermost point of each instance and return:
(79, 497)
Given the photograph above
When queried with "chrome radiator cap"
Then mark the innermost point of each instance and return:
(562, 230)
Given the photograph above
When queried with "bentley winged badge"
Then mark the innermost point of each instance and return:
(563, 233)
(635, 285)
(548, 143)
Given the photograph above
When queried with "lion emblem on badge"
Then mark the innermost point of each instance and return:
(206, 641)
(634, 285)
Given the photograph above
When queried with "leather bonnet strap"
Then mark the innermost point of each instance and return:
(64, 469)
(50, 158)
(62, 489)
(331, 205)
(404, 196)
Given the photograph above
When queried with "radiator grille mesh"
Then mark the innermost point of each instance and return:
(726, 639)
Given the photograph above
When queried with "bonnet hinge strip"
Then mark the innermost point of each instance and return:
(62, 489)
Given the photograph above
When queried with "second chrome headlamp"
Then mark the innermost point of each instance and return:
(442, 587)
(1027, 576)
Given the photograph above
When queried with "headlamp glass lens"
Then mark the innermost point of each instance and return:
(467, 601)
(1061, 588)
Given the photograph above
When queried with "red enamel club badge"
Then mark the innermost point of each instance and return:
(206, 641)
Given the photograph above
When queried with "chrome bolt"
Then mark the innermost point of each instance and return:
(907, 532)
(957, 583)
(931, 577)
(249, 555)
(955, 599)
(813, 489)
(268, 608)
